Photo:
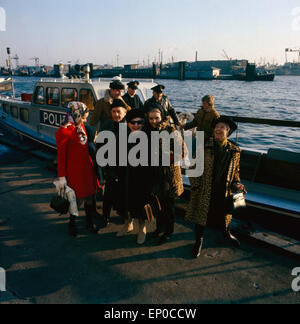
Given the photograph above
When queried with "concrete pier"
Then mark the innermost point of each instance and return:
(46, 266)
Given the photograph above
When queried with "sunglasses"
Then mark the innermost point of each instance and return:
(138, 122)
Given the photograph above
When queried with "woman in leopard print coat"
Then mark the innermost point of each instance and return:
(210, 193)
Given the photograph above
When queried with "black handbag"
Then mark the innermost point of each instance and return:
(60, 205)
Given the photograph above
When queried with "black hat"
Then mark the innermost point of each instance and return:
(133, 85)
(159, 88)
(228, 121)
(117, 85)
(118, 103)
(133, 114)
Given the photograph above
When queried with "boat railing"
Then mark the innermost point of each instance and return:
(252, 120)
(269, 122)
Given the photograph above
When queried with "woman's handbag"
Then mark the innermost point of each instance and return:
(153, 208)
(237, 202)
(60, 205)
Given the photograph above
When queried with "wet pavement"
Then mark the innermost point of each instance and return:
(46, 266)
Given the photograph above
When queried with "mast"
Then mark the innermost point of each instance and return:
(9, 64)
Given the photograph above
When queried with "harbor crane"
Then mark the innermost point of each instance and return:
(36, 61)
(16, 58)
(289, 50)
(227, 56)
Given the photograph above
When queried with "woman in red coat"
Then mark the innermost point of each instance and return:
(75, 166)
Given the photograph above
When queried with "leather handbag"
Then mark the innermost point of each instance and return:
(60, 205)
(153, 208)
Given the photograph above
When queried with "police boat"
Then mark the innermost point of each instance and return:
(36, 117)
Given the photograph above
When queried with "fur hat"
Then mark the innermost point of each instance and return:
(228, 121)
(133, 114)
(118, 103)
(117, 85)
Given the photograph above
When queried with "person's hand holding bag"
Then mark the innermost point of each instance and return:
(61, 186)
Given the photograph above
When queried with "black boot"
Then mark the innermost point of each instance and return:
(93, 210)
(232, 239)
(72, 226)
(156, 234)
(199, 231)
(90, 214)
(166, 238)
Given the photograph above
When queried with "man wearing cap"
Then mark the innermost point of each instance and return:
(102, 112)
(113, 196)
(161, 101)
(131, 98)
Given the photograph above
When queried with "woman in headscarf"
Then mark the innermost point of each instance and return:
(210, 194)
(75, 166)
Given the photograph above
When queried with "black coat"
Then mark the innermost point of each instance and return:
(134, 103)
(139, 185)
(164, 106)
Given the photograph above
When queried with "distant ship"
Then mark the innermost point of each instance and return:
(289, 69)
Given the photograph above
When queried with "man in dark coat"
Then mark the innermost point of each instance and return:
(161, 101)
(113, 197)
(131, 98)
(102, 112)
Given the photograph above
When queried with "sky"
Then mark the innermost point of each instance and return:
(97, 30)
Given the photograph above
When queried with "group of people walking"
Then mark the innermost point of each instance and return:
(148, 192)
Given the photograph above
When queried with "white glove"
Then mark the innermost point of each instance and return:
(186, 163)
(61, 186)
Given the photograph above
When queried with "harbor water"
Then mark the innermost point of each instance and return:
(272, 100)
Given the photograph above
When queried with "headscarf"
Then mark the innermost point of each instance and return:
(76, 110)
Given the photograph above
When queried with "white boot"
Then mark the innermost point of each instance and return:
(142, 232)
(127, 228)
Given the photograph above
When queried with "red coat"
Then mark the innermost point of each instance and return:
(74, 162)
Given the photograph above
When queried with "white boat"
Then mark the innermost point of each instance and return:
(37, 116)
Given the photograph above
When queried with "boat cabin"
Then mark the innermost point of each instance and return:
(40, 114)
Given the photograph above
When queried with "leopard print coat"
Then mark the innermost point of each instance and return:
(201, 188)
(173, 174)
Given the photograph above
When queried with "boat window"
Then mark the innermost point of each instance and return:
(24, 115)
(52, 96)
(86, 96)
(67, 96)
(39, 96)
(6, 108)
(14, 111)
